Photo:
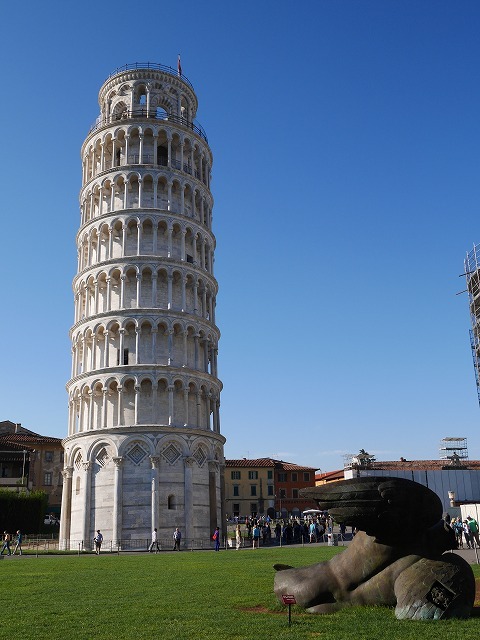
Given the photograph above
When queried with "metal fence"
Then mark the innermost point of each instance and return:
(141, 113)
(43, 545)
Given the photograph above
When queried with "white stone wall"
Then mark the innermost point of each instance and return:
(144, 447)
(94, 487)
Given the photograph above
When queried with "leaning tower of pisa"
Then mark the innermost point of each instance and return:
(144, 447)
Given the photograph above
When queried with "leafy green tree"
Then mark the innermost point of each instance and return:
(24, 511)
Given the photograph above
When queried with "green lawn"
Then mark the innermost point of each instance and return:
(183, 595)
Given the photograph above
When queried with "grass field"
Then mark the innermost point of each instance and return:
(183, 595)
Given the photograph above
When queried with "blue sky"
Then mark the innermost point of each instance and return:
(346, 180)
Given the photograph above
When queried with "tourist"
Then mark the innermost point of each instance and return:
(154, 541)
(269, 534)
(238, 536)
(278, 533)
(458, 528)
(467, 534)
(177, 536)
(256, 537)
(473, 526)
(216, 538)
(6, 543)
(98, 542)
(18, 543)
(264, 535)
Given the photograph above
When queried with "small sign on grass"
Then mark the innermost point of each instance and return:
(289, 599)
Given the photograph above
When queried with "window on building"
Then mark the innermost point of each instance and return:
(306, 476)
(236, 509)
(283, 493)
(124, 359)
(253, 475)
(282, 477)
(235, 475)
(253, 489)
(47, 479)
(171, 502)
(236, 490)
(270, 474)
(294, 493)
(270, 490)
(253, 508)
(162, 152)
(294, 477)
(48, 456)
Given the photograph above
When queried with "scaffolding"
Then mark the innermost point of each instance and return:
(472, 275)
(454, 450)
(360, 460)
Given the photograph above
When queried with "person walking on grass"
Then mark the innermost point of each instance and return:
(154, 541)
(18, 543)
(216, 538)
(177, 536)
(98, 542)
(6, 543)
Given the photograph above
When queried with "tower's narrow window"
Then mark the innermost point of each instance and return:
(162, 156)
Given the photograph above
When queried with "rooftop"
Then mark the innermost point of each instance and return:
(268, 463)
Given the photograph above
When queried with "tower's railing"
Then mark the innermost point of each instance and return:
(132, 114)
(135, 66)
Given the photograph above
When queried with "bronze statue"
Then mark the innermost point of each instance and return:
(397, 558)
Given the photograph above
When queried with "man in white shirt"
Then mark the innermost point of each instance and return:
(154, 541)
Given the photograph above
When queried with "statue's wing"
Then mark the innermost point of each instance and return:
(381, 506)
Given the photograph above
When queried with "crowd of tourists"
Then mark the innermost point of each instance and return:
(466, 532)
(265, 531)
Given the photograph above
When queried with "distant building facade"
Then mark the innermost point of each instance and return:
(266, 486)
(31, 461)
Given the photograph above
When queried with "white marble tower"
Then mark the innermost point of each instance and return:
(144, 447)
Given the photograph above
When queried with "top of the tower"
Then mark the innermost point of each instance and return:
(148, 90)
(135, 66)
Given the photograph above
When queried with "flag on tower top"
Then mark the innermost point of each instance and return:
(179, 66)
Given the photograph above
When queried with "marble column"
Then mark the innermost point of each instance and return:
(155, 460)
(87, 536)
(117, 502)
(189, 534)
(64, 536)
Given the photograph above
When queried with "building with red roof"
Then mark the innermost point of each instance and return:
(265, 486)
(31, 461)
